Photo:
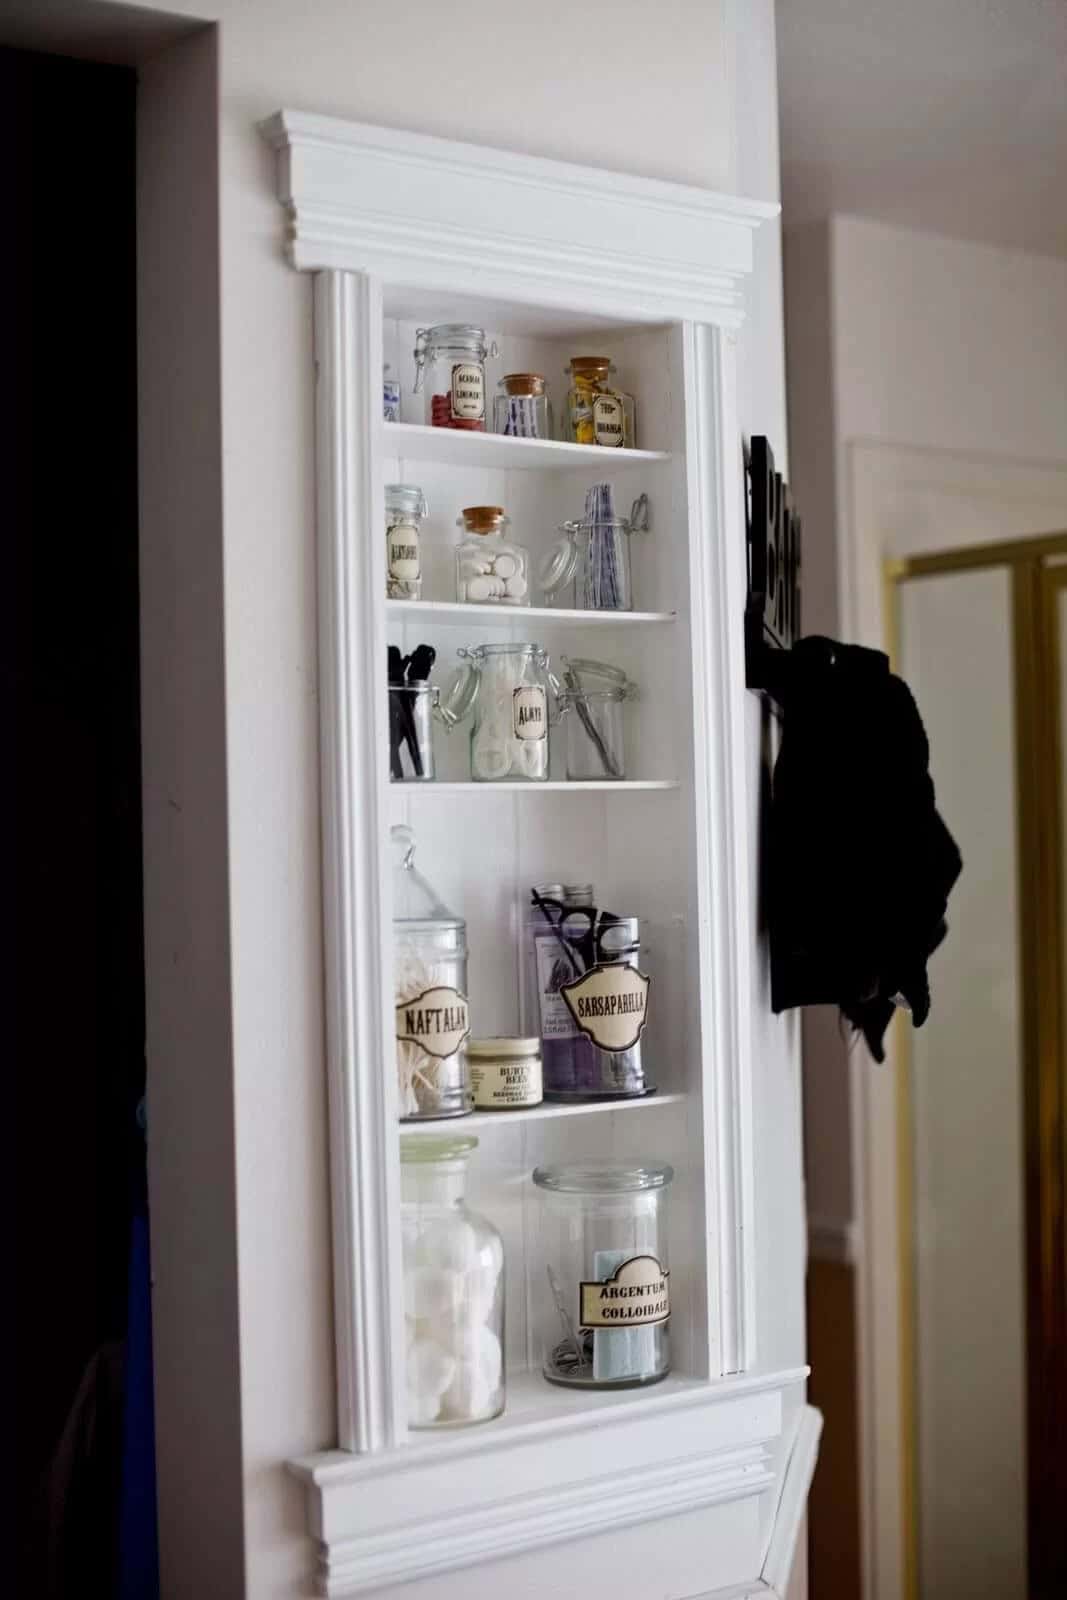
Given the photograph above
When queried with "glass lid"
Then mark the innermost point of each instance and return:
(415, 902)
(423, 1150)
(603, 1177)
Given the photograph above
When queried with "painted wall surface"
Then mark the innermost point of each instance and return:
(685, 92)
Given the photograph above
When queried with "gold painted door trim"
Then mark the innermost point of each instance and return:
(1037, 580)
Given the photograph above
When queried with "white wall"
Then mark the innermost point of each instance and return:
(683, 91)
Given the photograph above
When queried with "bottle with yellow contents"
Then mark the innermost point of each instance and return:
(596, 411)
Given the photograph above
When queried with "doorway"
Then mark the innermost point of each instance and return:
(979, 634)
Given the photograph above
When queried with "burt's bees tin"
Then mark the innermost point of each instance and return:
(505, 1073)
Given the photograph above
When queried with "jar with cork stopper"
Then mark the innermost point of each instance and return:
(490, 569)
(596, 411)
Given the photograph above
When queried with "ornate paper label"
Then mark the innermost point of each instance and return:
(529, 713)
(437, 1020)
(468, 391)
(636, 1295)
(403, 552)
(610, 1004)
(609, 423)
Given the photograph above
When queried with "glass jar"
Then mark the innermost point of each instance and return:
(412, 710)
(450, 363)
(453, 1288)
(490, 570)
(589, 567)
(405, 507)
(591, 707)
(430, 992)
(603, 1312)
(505, 1073)
(521, 409)
(505, 688)
(390, 396)
(596, 411)
(586, 996)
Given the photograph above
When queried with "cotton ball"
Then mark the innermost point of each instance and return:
(469, 1396)
(448, 1243)
(431, 1292)
(430, 1368)
(480, 1349)
(422, 1408)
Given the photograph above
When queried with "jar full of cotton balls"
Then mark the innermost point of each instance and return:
(511, 697)
(453, 1289)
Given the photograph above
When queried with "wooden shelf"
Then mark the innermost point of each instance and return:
(458, 448)
(569, 786)
(490, 616)
(548, 1111)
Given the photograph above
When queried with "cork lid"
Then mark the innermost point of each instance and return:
(483, 519)
(591, 366)
(527, 383)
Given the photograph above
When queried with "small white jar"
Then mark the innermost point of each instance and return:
(505, 1073)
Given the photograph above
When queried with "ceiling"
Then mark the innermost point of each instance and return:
(945, 115)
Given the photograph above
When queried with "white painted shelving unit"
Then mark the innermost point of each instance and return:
(553, 260)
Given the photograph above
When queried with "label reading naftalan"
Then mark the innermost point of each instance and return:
(637, 1295)
(529, 713)
(503, 1085)
(610, 1004)
(468, 391)
(403, 552)
(608, 421)
(437, 1021)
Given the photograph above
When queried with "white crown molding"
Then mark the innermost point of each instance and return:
(482, 1496)
(410, 208)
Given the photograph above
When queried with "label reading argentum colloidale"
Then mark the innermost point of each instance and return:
(636, 1295)
(609, 1003)
(437, 1020)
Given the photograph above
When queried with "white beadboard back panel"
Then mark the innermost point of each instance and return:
(409, 207)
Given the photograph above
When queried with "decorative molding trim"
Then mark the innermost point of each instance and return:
(362, 198)
(718, 588)
(792, 1502)
(834, 1239)
(701, 1447)
(368, 1303)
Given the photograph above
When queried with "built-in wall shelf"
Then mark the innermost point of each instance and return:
(490, 616)
(553, 786)
(548, 1111)
(456, 447)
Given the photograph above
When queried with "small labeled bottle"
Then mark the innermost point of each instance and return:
(505, 1073)
(405, 507)
(490, 569)
(596, 411)
(450, 364)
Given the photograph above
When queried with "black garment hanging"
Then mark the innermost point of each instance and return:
(861, 864)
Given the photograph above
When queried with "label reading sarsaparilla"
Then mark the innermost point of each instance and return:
(637, 1295)
(403, 552)
(505, 1085)
(529, 713)
(609, 423)
(437, 1020)
(610, 1004)
(468, 391)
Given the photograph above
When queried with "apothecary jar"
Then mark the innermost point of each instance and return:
(453, 1288)
(604, 1305)
(450, 365)
(508, 691)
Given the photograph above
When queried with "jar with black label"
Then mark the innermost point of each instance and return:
(450, 365)
(596, 412)
(430, 994)
(603, 1308)
(505, 1073)
(405, 507)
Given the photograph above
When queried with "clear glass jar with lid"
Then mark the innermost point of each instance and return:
(588, 567)
(430, 993)
(593, 696)
(450, 365)
(521, 408)
(453, 1288)
(596, 411)
(490, 569)
(405, 507)
(604, 1308)
(506, 690)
